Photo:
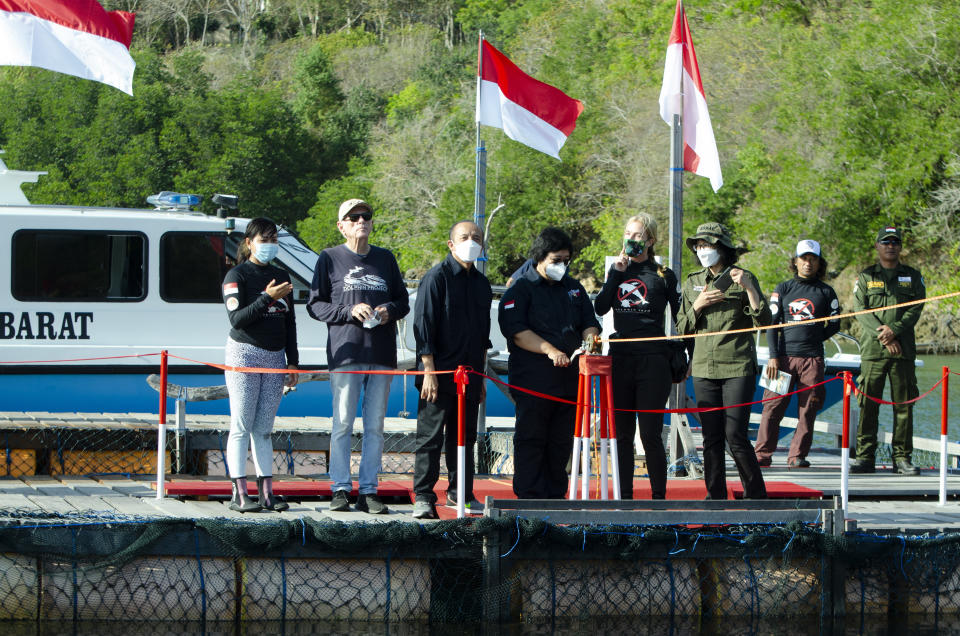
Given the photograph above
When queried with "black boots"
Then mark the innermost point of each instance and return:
(241, 501)
(269, 501)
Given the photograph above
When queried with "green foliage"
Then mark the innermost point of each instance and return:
(831, 119)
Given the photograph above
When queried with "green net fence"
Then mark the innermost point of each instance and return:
(470, 574)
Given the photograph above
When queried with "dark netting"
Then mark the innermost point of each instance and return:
(469, 573)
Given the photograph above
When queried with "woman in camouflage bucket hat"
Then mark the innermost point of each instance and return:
(717, 299)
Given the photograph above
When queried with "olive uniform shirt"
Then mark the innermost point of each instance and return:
(880, 287)
(726, 355)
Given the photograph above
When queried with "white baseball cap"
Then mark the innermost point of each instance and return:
(350, 205)
(807, 246)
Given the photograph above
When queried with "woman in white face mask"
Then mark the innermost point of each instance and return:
(545, 316)
(716, 299)
(259, 302)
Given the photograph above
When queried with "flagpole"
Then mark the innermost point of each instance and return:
(479, 211)
(678, 425)
(480, 174)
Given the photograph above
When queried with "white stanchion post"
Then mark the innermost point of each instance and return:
(944, 404)
(943, 470)
(585, 463)
(162, 428)
(574, 468)
(845, 445)
(461, 379)
(575, 456)
(602, 477)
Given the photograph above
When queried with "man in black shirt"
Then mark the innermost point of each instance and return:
(545, 316)
(452, 328)
(798, 351)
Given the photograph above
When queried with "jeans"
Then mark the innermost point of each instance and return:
(347, 388)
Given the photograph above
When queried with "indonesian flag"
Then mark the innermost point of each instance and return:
(76, 37)
(529, 111)
(682, 93)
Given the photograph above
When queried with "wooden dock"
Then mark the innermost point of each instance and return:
(883, 501)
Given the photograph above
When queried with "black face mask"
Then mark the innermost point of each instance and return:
(634, 247)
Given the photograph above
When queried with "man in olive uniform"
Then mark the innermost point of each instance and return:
(887, 347)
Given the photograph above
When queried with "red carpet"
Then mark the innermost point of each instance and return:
(499, 488)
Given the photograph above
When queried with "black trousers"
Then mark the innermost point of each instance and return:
(436, 430)
(542, 444)
(729, 425)
(641, 382)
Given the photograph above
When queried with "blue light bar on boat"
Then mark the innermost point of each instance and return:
(173, 201)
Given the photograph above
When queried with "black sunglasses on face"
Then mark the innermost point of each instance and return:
(366, 216)
(890, 242)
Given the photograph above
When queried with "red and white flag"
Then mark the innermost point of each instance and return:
(76, 37)
(682, 93)
(529, 111)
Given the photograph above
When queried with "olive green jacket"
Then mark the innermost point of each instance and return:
(880, 287)
(722, 356)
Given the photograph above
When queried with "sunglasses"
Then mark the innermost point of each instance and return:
(366, 216)
(890, 242)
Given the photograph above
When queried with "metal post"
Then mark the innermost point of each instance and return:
(944, 408)
(162, 428)
(612, 434)
(585, 441)
(845, 443)
(462, 380)
(577, 428)
(679, 435)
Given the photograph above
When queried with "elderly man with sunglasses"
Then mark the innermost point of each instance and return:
(359, 292)
(887, 348)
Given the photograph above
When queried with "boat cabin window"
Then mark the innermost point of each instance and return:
(68, 265)
(193, 265)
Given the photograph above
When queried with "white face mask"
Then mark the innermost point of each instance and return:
(468, 251)
(708, 256)
(555, 271)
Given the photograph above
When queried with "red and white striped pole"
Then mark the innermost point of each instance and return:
(602, 424)
(162, 429)
(577, 426)
(845, 443)
(462, 379)
(585, 439)
(944, 407)
(612, 434)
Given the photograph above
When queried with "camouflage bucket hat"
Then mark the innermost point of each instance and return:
(712, 233)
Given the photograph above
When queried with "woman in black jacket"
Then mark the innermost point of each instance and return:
(263, 334)
(638, 290)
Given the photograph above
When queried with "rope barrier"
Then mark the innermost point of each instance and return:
(797, 323)
(538, 394)
(881, 401)
(225, 367)
(135, 355)
(695, 409)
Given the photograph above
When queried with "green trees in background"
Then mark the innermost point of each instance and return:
(831, 119)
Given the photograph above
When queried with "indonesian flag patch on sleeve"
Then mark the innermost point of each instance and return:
(510, 304)
(230, 288)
